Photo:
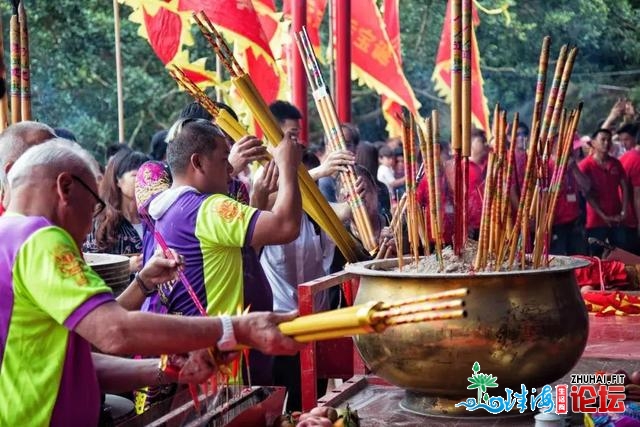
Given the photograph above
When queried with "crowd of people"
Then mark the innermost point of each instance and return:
(232, 215)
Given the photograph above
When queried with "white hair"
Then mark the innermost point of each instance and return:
(94, 166)
(57, 155)
(18, 138)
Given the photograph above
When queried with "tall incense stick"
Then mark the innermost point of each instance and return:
(25, 84)
(456, 121)
(466, 111)
(16, 74)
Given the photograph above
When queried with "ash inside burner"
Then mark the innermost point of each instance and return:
(454, 264)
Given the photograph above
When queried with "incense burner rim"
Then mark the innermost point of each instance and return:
(368, 268)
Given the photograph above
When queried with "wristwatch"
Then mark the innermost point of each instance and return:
(228, 340)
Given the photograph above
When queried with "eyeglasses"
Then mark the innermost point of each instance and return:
(177, 127)
(100, 204)
(521, 133)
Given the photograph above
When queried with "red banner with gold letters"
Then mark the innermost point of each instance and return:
(374, 61)
(391, 109)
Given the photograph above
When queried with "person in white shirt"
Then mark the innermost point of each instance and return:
(386, 172)
(287, 266)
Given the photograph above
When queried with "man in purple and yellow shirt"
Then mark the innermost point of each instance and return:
(207, 227)
(53, 307)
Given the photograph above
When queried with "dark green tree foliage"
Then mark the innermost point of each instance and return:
(74, 83)
(73, 74)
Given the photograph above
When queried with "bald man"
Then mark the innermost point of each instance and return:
(14, 141)
(53, 307)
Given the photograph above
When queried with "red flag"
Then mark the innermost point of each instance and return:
(237, 19)
(374, 61)
(390, 109)
(163, 30)
(263, 71)
(168, 32)
(442, 73)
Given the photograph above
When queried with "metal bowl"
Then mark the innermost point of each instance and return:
(524, 327)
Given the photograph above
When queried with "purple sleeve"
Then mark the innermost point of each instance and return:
(87, 307)
(252, 225)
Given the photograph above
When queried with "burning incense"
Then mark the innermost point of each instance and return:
(432, 184)
(562, 162)
(16, 74)
(456, 122)
(466, 112)
(435, 127)
(313, 201)
(409, 160)
(333, 131)
(535, 132)
(375, 316)
(222, 116)
(25, 84)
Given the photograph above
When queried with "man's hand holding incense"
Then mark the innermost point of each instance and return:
(260, 330)
(249, 149)
(265, 184)
(336, 161)
(159, 269)
(288, 154)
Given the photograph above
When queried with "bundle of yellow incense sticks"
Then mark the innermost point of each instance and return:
(313, 202)
(335, 138)
(376, 316)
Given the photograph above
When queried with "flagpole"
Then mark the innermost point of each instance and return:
(299, 77)
(116, 27)
(342, 59)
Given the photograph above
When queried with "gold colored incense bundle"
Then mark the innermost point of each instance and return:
(335, 138)
(376, 316)
(223, 119)
(313, 202)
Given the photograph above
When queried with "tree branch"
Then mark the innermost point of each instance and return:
(137, 128)
(429, 95)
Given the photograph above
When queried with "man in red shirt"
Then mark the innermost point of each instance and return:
(606, 209)
(567, 234)
(628, 137)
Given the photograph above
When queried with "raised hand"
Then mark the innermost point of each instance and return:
(288, 153)
(264, 185)
(160, 269)
(335, 161)
(245, 151)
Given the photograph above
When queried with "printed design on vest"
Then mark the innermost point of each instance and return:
(70, 265)
(229, 211)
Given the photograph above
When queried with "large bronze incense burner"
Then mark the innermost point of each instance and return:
(524, 327)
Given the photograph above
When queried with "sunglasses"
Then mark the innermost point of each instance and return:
(100, 204)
